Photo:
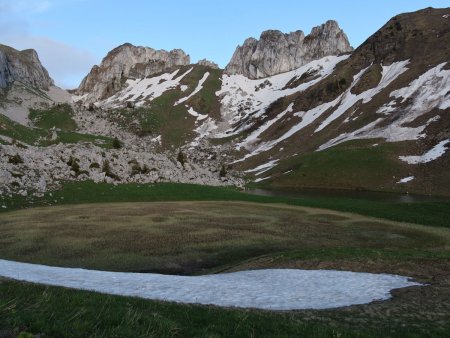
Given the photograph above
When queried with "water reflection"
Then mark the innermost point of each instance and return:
(328, 193)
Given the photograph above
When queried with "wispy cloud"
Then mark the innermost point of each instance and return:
(66, 64)
(24, 6)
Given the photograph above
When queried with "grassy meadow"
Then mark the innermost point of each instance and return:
(190, 229)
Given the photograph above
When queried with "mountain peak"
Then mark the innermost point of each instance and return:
(23, 66)
(276, 52)
(126, 61)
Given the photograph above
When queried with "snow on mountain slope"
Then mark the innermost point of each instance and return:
(348, 100)
(242, 97)
(429, 91)
(196, 90)
(142, 91)
(437, 151)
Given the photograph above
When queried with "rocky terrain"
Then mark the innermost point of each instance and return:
(288, 111)
(127, 61)
(276, 52)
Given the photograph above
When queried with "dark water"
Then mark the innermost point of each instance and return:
(364, 195)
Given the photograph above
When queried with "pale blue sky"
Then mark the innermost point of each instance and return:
(73, 35)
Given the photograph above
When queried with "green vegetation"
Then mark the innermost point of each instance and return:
(173, 122)
(189, 237)
(377, 168)
(116, 143)
(181, 158)
(58, 116)
(41, 137)
(426, 213)
(194, 237)
(86, 314)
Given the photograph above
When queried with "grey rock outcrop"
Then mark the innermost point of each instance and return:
(276, 52)
(208, 63)
(128, 61)
(23, 66)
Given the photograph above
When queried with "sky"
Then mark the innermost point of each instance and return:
(71, 36)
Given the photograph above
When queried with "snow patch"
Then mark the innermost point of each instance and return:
(196, 90)
(406, 179)
(263, 167)
(348, 100)
(199, 116)
(437, 151)
(140, 91)
(271, 289)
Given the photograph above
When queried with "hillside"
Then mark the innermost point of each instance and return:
(328, 116)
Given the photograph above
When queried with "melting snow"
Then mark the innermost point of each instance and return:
(254, 136)
(406, 179)
(142, 90)
(429, 91)
(263, 167)
(437, 151)
(242, 97)
(348, 100)
(196, 90)
(199, 116)
(271, 289)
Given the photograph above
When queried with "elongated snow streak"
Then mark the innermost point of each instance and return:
(434, 153)
(272, 289)
(196, 90)
(427, 92)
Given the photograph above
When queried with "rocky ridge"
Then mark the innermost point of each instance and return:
(276, 52)
(127, 61)
(23, 66)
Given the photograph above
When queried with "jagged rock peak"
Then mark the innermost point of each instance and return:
(23, 66)
(208, 63)
(276, 52)
(128, 61)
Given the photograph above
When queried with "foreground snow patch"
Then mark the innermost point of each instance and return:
(273, 289)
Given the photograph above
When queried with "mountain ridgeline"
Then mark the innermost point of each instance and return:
(288, 111)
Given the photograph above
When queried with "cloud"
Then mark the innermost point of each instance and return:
(65, 64)
(24, 6)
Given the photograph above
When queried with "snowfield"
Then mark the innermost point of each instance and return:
(271, 289)
(242, 97)
(427, 92)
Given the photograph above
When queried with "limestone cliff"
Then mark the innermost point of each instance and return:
(276, 52)
(23, 66)
(128, 61)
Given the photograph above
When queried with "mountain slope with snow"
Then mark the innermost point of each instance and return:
(362, 120)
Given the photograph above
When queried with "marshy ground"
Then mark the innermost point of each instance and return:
(208, 237)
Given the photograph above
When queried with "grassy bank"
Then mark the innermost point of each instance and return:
(59, 312)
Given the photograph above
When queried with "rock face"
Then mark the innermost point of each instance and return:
(23, 66)
(208, 63)
(276, 52)
(128, 61)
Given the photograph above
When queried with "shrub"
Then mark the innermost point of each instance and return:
(181, 158)
(16, 159)
(223, 171)
(116, 143)
(107, 170)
